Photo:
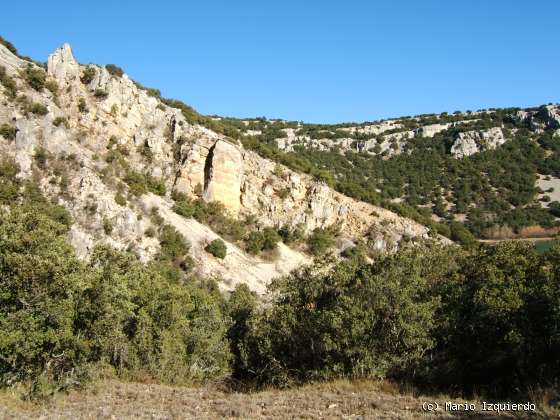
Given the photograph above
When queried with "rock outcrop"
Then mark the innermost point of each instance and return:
(431, 130)
(62, 65)
(471, 142)
(222, 175)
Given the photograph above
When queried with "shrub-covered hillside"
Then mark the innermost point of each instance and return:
(415, 165)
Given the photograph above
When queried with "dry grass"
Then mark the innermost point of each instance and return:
(112, 399)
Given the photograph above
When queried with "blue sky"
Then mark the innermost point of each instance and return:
(316, 61)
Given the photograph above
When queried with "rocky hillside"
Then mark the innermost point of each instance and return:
(125, 163)
(493, 171)
(392, 137)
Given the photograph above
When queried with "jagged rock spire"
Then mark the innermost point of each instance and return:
(62, 65)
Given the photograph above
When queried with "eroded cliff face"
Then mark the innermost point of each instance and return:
(471, 142)
(98, 122)
(223, 170)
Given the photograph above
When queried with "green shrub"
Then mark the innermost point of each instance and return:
(120, 200)
(100, 94)
(241, 308)
(41, 283)
(58, 121)
(254, 243)
(38, 109)
(9, 84)
(10, 184)
(107, 226)
(141, 184)
(346, 320)
(87, 75)
(52, 86)
(35, 77)
(510, 293)
(270, 239)
(156, 185)
(320, 241)
(62, 318)
(41, 156)
(292, 235)
(173, 244)
(114, 70)
(460, 234)
(82, 107)
(217, 248)
(8, 132)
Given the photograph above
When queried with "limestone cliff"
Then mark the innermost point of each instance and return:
(103, 127)
(471, 142)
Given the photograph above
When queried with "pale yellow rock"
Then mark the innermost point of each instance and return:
(222, 176)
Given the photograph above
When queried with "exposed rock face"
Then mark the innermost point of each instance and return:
(431, 130)
(9, 60)
(552, 116)
(373, 129)
(471, 142)
(545, 117)
(62, 65)
(222, 175)
(156, 139)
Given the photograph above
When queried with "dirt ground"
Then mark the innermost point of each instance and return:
(341, 400)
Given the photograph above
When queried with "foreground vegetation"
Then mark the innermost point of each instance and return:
(483, 319)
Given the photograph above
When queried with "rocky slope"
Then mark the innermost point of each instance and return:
(87, 130)
(391, 137)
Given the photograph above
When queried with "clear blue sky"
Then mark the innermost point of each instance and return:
(317, 61)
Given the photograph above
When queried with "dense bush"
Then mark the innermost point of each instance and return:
(120, 199)
(292, 235)
(217, 248)
(498, 323)
(320, 241)
(173, 244)
(52, 86)
(442, 317)
(254, 243)
(241, 308)
(60, 318)
(58, 121)
(34, 76)
(41, 282)
(41, 157)
(100, 94)
(479, 320)
(82, 106)
(87, 75)
(9, 84)
(114, 70)
(8, 132)
(38, 109)
(349, 320)
(143, 183)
